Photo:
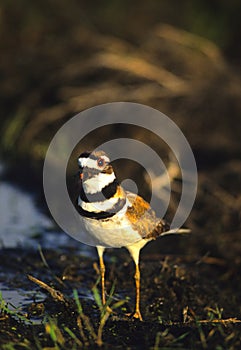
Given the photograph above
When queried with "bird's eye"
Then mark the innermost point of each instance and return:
(100, 162)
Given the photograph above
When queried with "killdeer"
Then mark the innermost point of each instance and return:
(115, 217)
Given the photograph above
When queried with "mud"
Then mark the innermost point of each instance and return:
(187, 301)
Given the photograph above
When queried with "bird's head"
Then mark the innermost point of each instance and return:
(95, 171)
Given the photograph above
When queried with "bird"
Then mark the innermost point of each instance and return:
(114, 217)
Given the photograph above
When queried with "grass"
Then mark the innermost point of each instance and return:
(84, 333)
(70, 322)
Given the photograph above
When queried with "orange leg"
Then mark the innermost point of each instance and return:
(137, 313)
(100, 251)
(102, 274)
(135, 251)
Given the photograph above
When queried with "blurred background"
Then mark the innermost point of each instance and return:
(182, 58)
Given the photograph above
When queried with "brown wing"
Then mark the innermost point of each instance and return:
(144, 219)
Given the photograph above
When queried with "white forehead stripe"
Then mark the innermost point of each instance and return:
(98, 182)
(91, 163)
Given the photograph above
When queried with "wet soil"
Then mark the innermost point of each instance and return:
(187, 301)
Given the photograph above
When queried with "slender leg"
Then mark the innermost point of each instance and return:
(135, 253)
(137, 313)
(100, 251)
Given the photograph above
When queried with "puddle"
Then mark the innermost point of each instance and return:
(19, 219)
(19, 298)
(24, 227)
(18, 301)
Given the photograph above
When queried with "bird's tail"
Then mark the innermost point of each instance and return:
(163, 229)
(176, 231)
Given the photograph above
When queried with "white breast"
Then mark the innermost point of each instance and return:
(115, 232)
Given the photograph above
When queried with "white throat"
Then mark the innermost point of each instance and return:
(98, 182)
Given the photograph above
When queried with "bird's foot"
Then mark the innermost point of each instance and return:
(136, 315)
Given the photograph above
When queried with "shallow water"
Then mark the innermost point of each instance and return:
(16, 298)
(19, 218)
(24, 226)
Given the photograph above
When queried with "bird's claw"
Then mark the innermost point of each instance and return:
(136, 315)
